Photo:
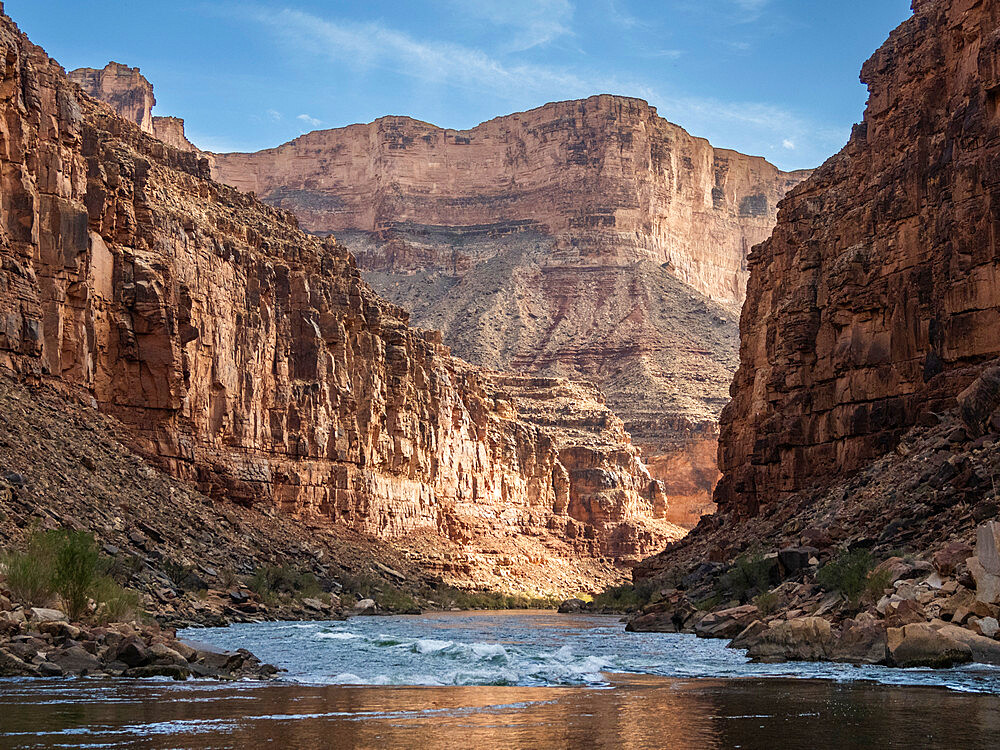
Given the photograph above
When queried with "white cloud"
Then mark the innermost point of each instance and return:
(374, 45)
(531, 23)
(746, 126)
(789, 144)
(273, 115)
(752, 8)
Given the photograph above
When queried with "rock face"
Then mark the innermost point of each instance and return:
(128, 92)
(878, 296)
(612, 181)
(586, 239)
(252, 359)
(124, 88)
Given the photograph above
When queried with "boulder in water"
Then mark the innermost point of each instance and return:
(921, 645)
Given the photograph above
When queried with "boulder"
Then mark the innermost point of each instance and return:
(988, 547)
(133, 652)
(163, 654)
(794, 559)
(572, 606)
(987, 584)
(801, 639)
(50, 669)
(921, 645)
(314, 604)
(904, 612)
(365, 607)
(59, 629)
(12, 666)
(984, 650)
(863, 640)
(43, 614)
(987, 626)
(726, 623)
(978, 402)
(75, 660)
(748, 635)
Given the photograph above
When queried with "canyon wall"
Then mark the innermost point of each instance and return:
(252, 359)
(130, 94)
(608, 178)
(584, 239)
(878, 296)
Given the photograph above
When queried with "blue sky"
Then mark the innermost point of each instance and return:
(777, 78)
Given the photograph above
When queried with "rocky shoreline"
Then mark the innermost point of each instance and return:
(910, 612)
(41, 642)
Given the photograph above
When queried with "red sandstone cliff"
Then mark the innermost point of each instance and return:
(130, 94)
(576, 240)
(252, 359)
(879, 292)
(587, 239)
(608, 178)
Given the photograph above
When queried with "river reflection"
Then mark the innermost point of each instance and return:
(636, 712)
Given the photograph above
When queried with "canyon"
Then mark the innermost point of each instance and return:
(587, 239)
(250, 360)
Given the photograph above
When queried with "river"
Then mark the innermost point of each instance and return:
(507, 680)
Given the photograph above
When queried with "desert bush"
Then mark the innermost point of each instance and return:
(747, 575)
(68, 564)
(30, 573)
(78, 569)
(624, 598)
(876, 584)
(848, 574)
(115, 603)
(767, 603)
(273, 581)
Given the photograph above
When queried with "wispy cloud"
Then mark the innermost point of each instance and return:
(788, 144)
(273, 115)
(530, 23)
(374, 45)
(759, 127)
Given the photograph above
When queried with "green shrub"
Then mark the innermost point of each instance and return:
(274, 581)
(624, 598)
(68, 563)
(747, 575)
(708, 603)
(30, 574)
(78, 569)
(115, 604)
(227, 578)
(878, 581)
(847, 574)
(767, 603)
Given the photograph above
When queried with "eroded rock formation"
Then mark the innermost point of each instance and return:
(130, 94)
(878, 296)
(586, 239)
(252, 359)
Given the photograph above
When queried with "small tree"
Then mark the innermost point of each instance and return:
(78, 569)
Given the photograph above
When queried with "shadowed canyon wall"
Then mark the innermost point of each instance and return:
(586, 239)
(879, 293)
(251, 358)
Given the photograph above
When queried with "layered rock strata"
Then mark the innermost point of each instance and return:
(130, 94)
(585, 239)
(878, 296)
(252, 359)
